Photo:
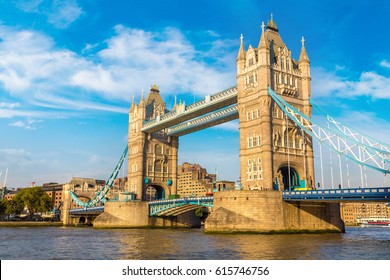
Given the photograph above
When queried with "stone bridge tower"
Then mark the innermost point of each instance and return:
(274, 152)
(152, 157)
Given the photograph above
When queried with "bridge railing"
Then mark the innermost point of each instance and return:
(182, 200)
(86, 210)
(355, 194)
(158, 207)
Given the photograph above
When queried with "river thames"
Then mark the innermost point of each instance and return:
(87, 243)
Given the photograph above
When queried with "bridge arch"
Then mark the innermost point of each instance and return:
(156, 192)
(288, 177)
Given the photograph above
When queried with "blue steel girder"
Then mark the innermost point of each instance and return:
(174, 207)
(209, 104)
(208, 120)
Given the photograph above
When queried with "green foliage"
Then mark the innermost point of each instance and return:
(14, 206)
(199, 212)
(3, 206)
(35, 199)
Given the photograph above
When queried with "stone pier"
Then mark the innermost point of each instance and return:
(135, 214)
(265, 212)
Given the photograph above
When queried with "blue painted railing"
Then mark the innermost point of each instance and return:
(355, 194)
(158, 206)
(87, 210)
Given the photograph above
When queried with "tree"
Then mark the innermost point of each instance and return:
(35, 199)
(3, 206)
(14, 206)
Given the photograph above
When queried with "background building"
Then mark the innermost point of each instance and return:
(54, 190)
(224, 185)
(350, 211)
(194, 180)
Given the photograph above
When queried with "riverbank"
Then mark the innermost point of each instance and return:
(30, 224)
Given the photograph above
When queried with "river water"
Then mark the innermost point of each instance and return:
(86, 243)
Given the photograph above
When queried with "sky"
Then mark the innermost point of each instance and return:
(69, 69)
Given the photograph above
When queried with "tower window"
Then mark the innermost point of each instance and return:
(158, 149)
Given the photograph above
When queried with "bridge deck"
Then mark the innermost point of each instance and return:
(86, 211)
(174, 207)
(340, 195)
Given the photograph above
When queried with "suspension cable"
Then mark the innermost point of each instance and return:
(331, 161)
(322, 165)
(304, 156)
(348, 182)
(288, 155)
(339, 155)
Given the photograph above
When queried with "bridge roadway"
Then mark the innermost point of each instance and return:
(174, 207)
(340, 195)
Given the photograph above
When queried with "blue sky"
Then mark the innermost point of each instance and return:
(68, 71)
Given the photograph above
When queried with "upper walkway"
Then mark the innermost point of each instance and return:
(207, 105)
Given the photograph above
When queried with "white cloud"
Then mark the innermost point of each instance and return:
(29, 124)
(60, 13)
(385, 63)
(8, 105)
(17, 124)
(64, 13)
(138, 58)
(30, 6)
(369, 84)
(35, 72)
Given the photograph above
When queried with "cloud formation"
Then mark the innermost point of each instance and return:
(59, 13)
(34, 71)
(369, 84)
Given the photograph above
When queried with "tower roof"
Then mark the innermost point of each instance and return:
(274, 39)
(154, 96)
(154, 103)
(271, 24)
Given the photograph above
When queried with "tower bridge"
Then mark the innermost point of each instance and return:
(272, 100)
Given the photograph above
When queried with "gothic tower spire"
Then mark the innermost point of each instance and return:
(132, 104)
(263, 40)
(303, 56)
(241, 51)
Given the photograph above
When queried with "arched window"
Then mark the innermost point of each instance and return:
(158, 149)
(157, 166)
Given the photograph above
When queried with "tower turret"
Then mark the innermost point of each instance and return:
(304, 68)
(241, 56)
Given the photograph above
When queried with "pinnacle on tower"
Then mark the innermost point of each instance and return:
(154, 88)
(241, 51)
(132, 104)
(271, 24)
(303, 56)
(142, 102)
(263, 39)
